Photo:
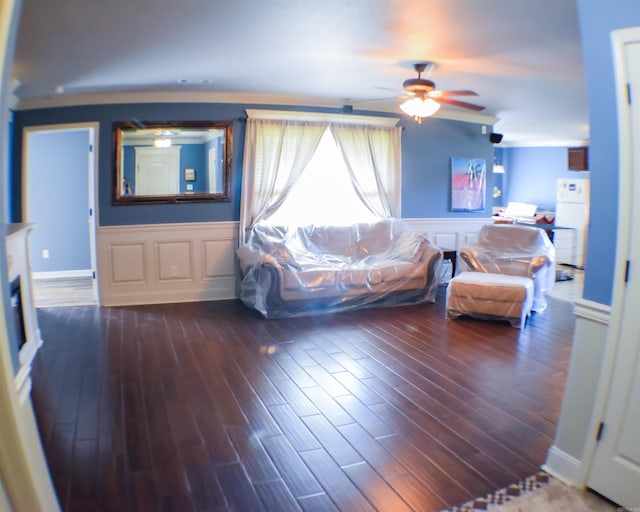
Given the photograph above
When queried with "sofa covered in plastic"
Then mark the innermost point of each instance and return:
(513, 250)
(291, 271)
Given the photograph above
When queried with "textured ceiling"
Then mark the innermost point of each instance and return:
(522, 57)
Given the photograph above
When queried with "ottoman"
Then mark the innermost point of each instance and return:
(490, 296)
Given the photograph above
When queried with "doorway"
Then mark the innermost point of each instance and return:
(615, 468)
(59, 197)
(157, 171)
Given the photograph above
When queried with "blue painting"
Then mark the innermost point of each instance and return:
(468, 184)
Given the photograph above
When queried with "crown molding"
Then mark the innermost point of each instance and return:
(72, 100)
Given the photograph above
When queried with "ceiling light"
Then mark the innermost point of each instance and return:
(419, 107)
(162, 143)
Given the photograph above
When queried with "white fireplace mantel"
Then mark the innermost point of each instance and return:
(19, 265)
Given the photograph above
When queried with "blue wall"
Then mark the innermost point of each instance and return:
(58, 200)
(426, 153)
(106, 115)
(597, 20)
(532, 174)
(427, 150)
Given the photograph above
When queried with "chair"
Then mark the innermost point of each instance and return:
(513, 250)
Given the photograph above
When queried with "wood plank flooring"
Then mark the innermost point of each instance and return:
(207, 406)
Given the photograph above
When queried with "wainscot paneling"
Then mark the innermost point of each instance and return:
(161, 263)
(449, 233)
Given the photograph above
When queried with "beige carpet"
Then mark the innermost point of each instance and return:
(541, 493)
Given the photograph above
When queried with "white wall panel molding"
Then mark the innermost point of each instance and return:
(449, 233)
(163, 263)
(593, 311)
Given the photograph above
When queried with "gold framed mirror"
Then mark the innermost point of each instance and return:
(172, 162)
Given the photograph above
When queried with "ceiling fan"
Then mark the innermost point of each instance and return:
(425, 99)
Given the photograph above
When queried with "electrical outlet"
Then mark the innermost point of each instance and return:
(45, 253)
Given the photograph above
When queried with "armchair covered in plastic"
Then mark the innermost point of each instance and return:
(513, 250)
(292, 271)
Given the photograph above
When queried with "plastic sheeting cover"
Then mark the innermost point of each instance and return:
(291, 271)
(513, 250)
(490, 296)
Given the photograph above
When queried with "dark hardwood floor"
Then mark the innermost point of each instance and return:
(207, 406)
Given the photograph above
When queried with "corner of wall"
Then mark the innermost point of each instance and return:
(564, 467)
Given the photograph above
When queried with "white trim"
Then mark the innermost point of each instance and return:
(62, 274)
(296, 115)
(69, 100)
(593, 311)
(555, 143)
(220, 228)
(564, 467)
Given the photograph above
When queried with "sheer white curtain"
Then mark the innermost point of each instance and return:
(372, 156)
(276, 153)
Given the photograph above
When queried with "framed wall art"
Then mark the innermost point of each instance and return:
(468, 184)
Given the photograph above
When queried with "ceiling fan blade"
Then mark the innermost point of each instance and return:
(454, 93)
(366, 100)
(397, 91)
(461, 104)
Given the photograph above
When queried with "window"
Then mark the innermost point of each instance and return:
(324, 193)
(302, 168)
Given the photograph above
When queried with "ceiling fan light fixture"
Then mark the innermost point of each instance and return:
(418, 108)
(162, 143)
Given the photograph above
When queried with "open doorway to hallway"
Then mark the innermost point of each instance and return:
(58, 184)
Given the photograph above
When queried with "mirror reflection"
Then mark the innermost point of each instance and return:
(172, 162)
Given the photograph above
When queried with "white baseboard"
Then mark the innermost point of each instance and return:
(593, 311)
(62, 274)
(223, 288)
(563, 466)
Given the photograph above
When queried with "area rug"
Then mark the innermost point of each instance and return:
(539, 492)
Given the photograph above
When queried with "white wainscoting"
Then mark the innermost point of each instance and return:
(163, 263)
(449, 233)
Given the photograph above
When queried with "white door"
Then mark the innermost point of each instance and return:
(157, 171)
(615, 472)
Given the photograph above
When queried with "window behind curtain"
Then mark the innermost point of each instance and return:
(324, 193)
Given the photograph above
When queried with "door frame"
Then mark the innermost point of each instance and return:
(94, 130)
(619, 39)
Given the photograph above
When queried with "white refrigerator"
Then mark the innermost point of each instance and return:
(572, 212)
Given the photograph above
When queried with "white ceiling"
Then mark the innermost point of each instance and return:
(522, 57)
